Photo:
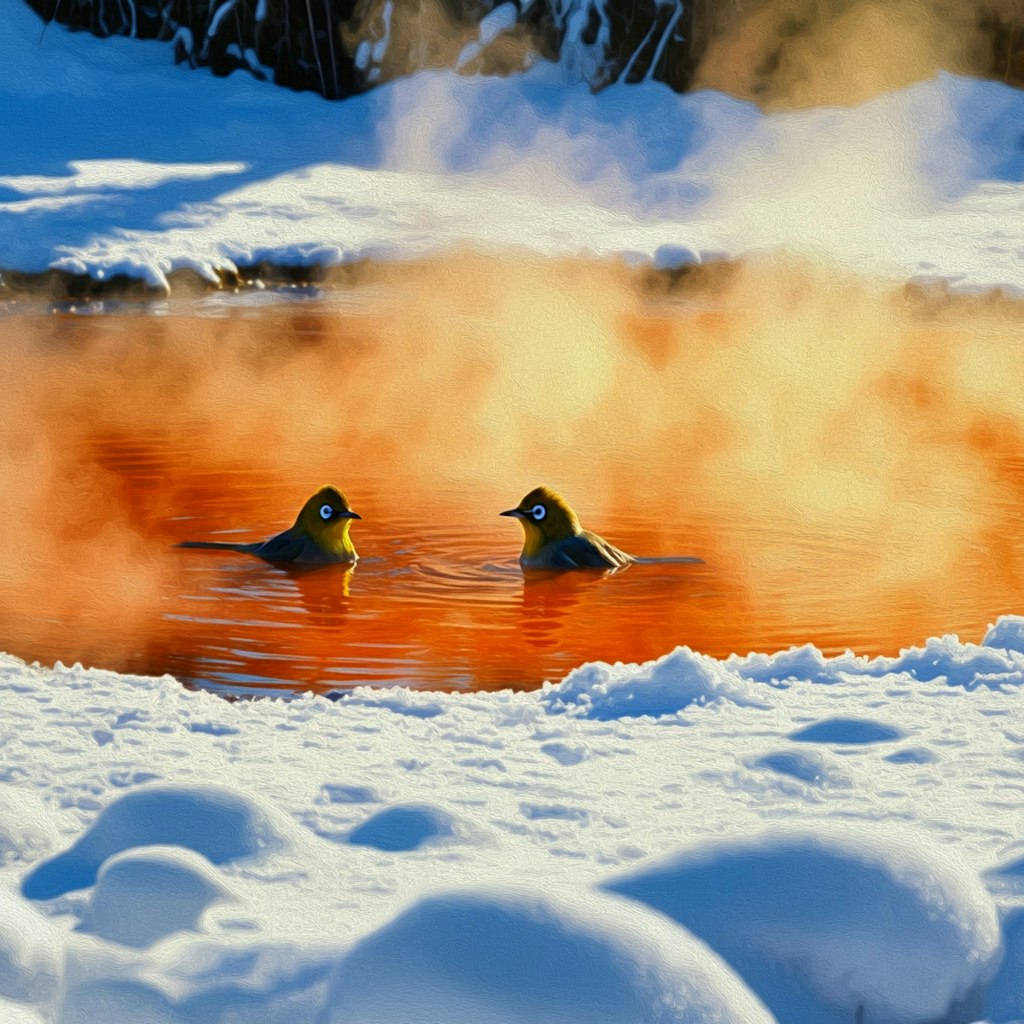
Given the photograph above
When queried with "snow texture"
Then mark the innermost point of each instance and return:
(511, 956)
(837, 927)
(167, 889)
(221, 825)
(661, 687)
(638, 843)
(926, 183)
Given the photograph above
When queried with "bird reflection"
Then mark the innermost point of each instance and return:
(548, 601)
(323, 593)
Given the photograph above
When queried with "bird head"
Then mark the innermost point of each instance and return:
(546, 516)
(326, 515)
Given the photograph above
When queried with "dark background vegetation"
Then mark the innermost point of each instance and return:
(744, 46)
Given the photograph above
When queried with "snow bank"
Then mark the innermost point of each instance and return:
(222, 826)
(167, 888)
(997, 661)
(30, 948)
(661, 687)
(1007, 634)
(433, 855)
(854, 925)
(1006, 997)
(924, 183)
(511, 956)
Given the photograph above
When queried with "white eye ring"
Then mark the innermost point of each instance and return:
(326, 511)
(538, 512)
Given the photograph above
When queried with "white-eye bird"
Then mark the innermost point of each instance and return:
(319, 535)
(554, 538)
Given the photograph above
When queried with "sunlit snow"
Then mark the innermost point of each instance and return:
(826, 837)
(116, 161)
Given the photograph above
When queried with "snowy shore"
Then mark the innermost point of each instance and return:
(786, 837)
(116, 162)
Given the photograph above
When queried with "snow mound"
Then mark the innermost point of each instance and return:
(912, 755)
(1007, 633)
(809, 768)
(30, 953)
(398, 829)
(656, 688)
(998, 661)
(967, 665)
(806, 662)
(853, 731)
(221, 825)
(511, 956)
(837, 926)
(338, 793)
(18, 1013)
(1006, 996)
(144, 895)
(415, 703)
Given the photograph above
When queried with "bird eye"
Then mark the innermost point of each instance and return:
(538, 512)
(326, 511)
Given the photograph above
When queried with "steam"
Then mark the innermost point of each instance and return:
(801, 53)
(779, 400)
(783, 55)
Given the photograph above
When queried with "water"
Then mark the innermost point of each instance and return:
(846, 462)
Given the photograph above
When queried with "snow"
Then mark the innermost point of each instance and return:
(660, 687)
(926, 183)
(511, 956)
(825, 925)
(495, 23)
(824, 837)
(221, 826)
(403, 828)
(1007, 634)
(1007, 995)
(29, 952)
(167, 887)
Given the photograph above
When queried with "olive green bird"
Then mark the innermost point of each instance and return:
(554, 538)
(319, 535)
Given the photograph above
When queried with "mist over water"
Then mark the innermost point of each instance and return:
(845, 456)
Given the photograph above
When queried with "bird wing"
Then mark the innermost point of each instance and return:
(289, 546)
(588, 551)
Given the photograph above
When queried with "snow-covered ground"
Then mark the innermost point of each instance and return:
(786, 837)
(114, 161)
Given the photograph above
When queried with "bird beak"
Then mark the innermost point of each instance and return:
(349, 514)
(511, 512)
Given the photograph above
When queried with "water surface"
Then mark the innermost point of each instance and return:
(845, 459)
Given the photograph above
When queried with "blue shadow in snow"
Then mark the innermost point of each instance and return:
(221, 825)
(847, 730)
(399, 829)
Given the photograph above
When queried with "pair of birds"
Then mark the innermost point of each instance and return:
(553, 537)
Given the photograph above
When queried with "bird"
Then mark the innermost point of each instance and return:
(554, 538)
(319, 535)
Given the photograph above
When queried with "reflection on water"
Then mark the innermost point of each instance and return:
(418, 617)
(848, 461)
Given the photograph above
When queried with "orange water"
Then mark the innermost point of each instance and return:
(848, 463)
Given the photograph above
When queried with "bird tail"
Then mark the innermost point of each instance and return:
(218, 544)
(672, 560)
